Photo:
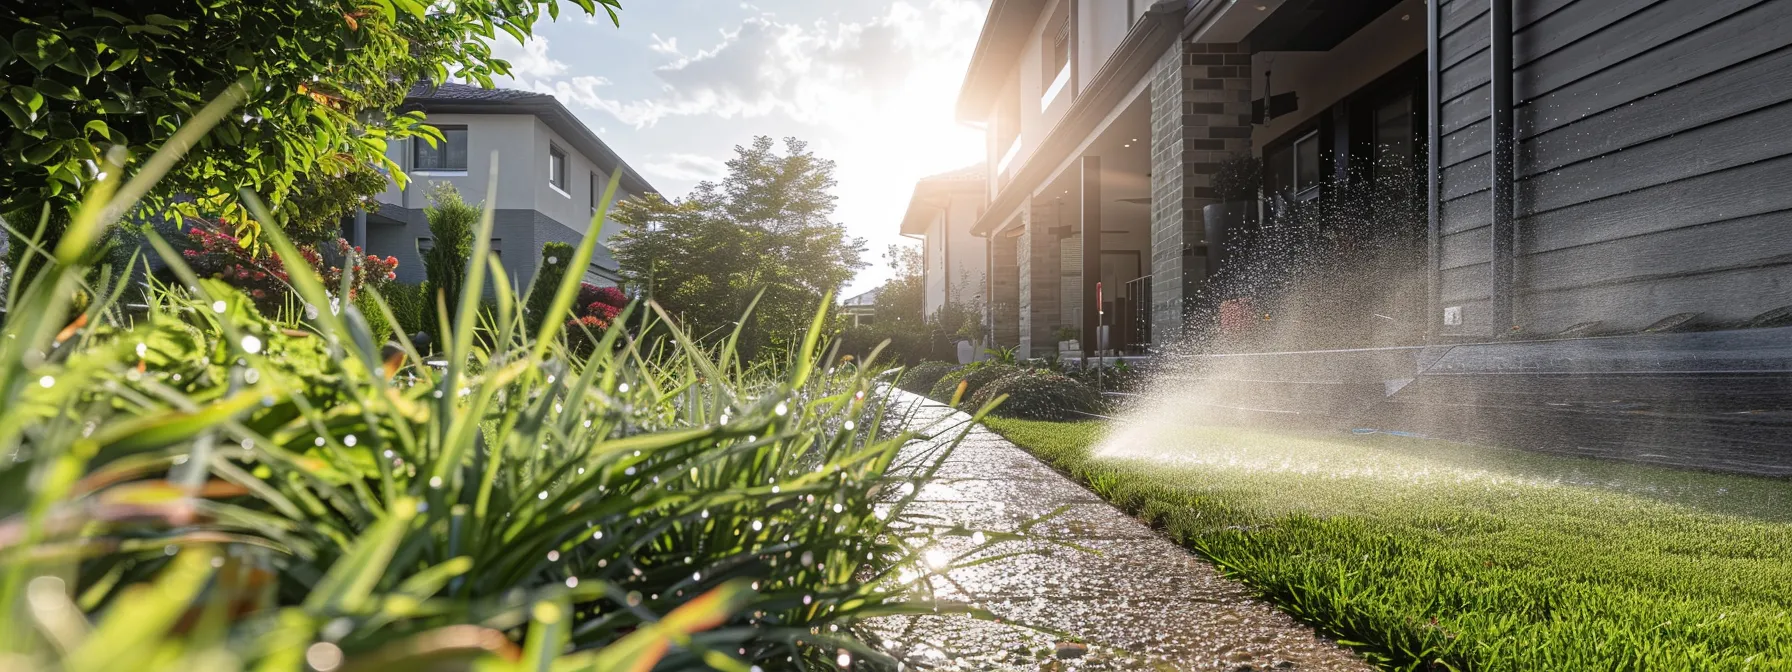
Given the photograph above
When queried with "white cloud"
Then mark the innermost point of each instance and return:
(688, 167)
(820, 73)
(528, 60)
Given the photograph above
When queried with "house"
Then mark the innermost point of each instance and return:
(861, 309)
(551, 174)
(1604, 196)
(940, 214)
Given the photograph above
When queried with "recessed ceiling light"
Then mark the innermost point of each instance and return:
(1405, 17)
(1262, 7)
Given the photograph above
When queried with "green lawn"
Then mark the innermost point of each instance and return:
(1420, 552)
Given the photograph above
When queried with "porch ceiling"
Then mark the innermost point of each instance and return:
(1315, 25)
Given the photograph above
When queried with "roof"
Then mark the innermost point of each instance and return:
(935, 191)
(865, 299)
(1005, 32)
(456, 98)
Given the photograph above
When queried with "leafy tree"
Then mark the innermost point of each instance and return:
(764, 229)
(320, 82)
(451, 224)
(902, 299)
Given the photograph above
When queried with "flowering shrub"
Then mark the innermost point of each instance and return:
(595, 310)
(260, 273)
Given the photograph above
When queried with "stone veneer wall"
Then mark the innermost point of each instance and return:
(1200, 114)
(1005, 289)
(1041, 281)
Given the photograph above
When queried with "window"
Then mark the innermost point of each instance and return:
(1055, 76)
(1394, 135)
(597, 188)
(448, 155)
(498, 248)
(1306, 166)
(557, 168)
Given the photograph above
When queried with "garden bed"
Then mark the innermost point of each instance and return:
(1433, 555)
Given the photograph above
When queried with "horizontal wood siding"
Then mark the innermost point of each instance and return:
(1654, 160)
(1464, 272)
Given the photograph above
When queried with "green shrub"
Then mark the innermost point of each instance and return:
(411, 305)
(451, 222)
(920, 378)
(288, 495)
(549, 271)
(1037, 395)
(974, 376)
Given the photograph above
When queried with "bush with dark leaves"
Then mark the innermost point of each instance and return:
(920, 378)
(974, 377)
(1037, 395)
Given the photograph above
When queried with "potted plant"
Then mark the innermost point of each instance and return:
(1235, 184)
(1067, 339)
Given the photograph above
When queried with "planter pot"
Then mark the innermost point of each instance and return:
(1225, 223)
(1070, 346)
(967, 352)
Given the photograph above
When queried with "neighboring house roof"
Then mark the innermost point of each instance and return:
(865, 299)
(935, 191)
(454, 98)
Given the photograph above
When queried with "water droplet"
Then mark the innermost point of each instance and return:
(781, 409)
(350, 441)
(218, 306)
(553, 556)
(47, 381)
(323, 656)
(977, 538)
(251, 344)
(849, 425)
(319, 441)
(622, 388)
(543, 495)
(572, 582)
(808, 558)
(844, 660)
(142, 350)
(634, 598)
(757, 526)
(597, 535)
(435, 481)
(696, 576)
(936, 558)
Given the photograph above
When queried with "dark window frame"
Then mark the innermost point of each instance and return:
(442, 155)
(557, 167)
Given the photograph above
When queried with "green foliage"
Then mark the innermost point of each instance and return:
(321, 82)
(973, 376)
(1433, 555)
(921, 378)
(320, 201)
(759, 239)
(1037, 395)
(410, 305)
(205, 488)
(554, 258)
(451, 223)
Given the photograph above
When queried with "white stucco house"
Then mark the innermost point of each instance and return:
(954, 263)
(551, 173)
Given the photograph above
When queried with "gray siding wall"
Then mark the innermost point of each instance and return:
(1654, 166)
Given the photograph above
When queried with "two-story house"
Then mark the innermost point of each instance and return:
(551, 174)
(941, 212)
(1587, 168)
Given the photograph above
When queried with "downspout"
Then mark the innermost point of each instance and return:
(1503, 231)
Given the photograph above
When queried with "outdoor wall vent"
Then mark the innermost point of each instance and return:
(1453, 316)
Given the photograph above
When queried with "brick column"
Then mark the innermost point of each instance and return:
(1200, 114)
(1004, 290)
(1041, 280)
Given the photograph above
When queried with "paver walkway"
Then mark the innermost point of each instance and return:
(1141, 603)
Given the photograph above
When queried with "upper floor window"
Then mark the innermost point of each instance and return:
(557, 168)
(1055, 76)
(597, 190)
(448, 154)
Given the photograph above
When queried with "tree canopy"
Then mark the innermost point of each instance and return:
(322, 80)
(764, 228)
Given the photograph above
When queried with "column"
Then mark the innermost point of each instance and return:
(1200, 115)
(1091, 216)
(1041, 280)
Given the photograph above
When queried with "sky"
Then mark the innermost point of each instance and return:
(870, 84)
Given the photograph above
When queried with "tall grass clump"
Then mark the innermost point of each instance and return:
(205, 488)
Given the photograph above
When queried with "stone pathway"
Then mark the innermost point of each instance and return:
(1137, 602)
